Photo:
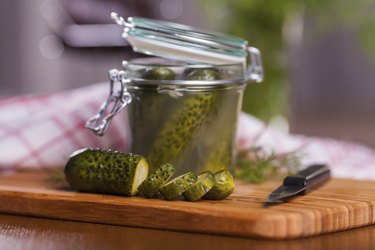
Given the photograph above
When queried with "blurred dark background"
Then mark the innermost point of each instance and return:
(49, 45)
(318, 55)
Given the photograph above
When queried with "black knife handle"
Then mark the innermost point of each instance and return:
(309, 178)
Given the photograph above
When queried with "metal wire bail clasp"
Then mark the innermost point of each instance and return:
(255, 69)
(118, 99)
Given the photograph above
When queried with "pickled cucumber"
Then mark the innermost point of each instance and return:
(205, 74)
(204, 183)
(159, 73)
(224, 186)
(178, 185)
(106, 171)
(151, 185)
(180, 129)
(220, 156)
(146, 107)
(220, 137)
(183, 125)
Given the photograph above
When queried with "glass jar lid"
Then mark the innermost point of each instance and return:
(182, 42)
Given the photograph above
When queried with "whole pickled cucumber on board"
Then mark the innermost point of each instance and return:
(178, 185)
(180, 129)
(204, 183)
(105, 171)
(224, 186)
(151, 185)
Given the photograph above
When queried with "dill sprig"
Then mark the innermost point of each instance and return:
(56, 176)
(256, 164)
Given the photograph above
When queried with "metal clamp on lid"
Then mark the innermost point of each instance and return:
(255, 68)
(116, 101)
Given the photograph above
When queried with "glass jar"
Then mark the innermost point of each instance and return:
(184, 111)
(184, 114)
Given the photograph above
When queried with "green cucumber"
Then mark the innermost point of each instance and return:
(220, 136)
(185, 122)
(224, 186)
(105, 171)
(145, 112)
(178, 185)
(204, 183)
(220, 156)
(180, 129)
(151, 185)
(204, 74)
(159, 73)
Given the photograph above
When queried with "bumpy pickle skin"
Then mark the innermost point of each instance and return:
(159, 73)
(146, 107)
(207, 74)
(186, 121)
(178, 185)
(221, 156)
(203, 185)
(224, 186)
(221, 145)
(180, 129)
(105, 171)
(151, 185)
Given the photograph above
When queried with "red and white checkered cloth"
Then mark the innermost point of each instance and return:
(41, 131)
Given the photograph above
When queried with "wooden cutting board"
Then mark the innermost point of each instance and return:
(338, 205)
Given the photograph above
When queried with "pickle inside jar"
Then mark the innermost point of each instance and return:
(180, 129)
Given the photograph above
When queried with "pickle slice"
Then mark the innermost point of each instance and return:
(224, 186)
(151, 185)
(204, 183)
(178, 185)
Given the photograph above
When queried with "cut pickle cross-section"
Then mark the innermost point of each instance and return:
(151, 185)
(224, 186)
(204, 183)
(178, 185)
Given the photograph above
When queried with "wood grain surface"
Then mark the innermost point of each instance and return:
(338, 205)
(20, 233)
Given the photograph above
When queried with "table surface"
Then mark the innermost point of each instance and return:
(18, 232)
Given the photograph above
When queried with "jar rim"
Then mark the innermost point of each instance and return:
(142, 71)
(160, 61)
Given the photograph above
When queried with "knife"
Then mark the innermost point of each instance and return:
(300, 184)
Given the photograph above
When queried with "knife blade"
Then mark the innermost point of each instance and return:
(303, 182)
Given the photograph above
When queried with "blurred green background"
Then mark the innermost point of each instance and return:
(263, 24)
